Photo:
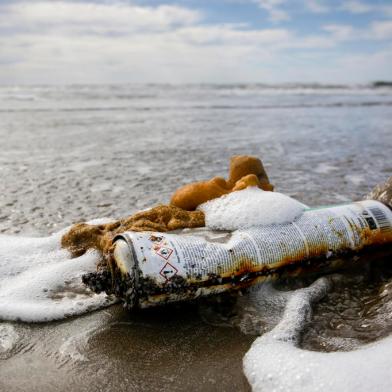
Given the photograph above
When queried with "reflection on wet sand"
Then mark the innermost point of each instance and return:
(169, 349)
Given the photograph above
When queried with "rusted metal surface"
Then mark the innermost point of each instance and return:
(151, 269)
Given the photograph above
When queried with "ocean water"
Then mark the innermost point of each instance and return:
(74, 153)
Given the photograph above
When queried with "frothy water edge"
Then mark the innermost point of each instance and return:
(275, 362)
(40, 282)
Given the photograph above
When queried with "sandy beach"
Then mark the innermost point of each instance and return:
(76, 153)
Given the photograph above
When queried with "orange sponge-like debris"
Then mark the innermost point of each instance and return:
(245, 171)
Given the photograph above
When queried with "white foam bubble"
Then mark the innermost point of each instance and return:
(250, 207)
(40, 282)
(275, 363)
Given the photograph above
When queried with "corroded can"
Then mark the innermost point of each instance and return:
(150, 268)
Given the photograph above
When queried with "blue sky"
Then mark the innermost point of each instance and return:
(189, 41)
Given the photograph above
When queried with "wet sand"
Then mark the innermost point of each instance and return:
(171, 349)
(78, 153)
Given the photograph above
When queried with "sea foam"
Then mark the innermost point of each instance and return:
(275, 363)
(40, 282)
(250, 207)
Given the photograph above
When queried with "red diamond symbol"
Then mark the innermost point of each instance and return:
(168, 271)
(164, 251)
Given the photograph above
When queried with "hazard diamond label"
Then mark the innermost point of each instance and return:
(164, 251)
(168, 271)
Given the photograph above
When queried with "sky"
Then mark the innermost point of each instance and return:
(189, 41)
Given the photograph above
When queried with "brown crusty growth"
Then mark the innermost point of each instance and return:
(382, 192)
(82, 236)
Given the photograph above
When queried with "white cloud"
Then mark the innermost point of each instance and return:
(377, 31)
(367, 66)
(340, 32)
(356, 7)
(53, 15)
(68, 42)
(316, 6)
(86, 42)
(381, 29)
(229, 35)
(274, 10)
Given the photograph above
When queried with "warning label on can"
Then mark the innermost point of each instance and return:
(317, 232)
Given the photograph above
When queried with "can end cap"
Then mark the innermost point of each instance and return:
(123, 257)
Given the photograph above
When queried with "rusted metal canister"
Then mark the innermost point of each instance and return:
(155, 268)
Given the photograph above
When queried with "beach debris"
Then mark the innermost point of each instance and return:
(149, 269)
(224, 235)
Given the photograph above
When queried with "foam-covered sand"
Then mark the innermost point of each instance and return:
(250, 207)
(275, 363)
(40, 282)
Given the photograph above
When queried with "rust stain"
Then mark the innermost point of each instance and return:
(375, 237)
(241, 277)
